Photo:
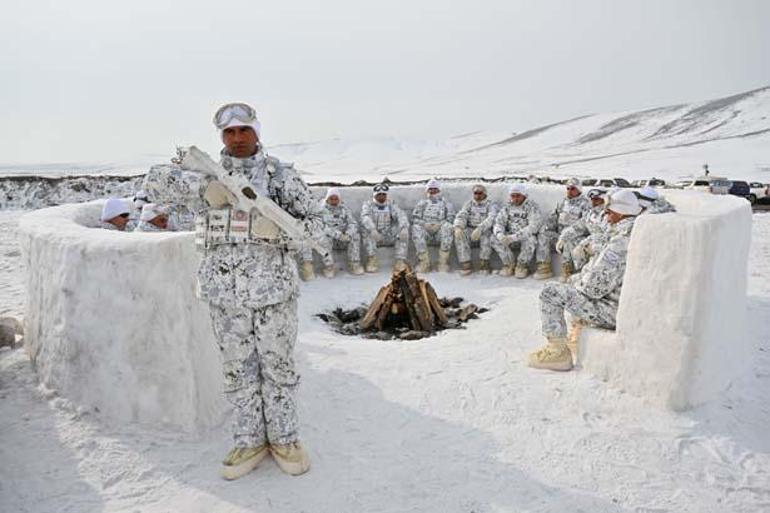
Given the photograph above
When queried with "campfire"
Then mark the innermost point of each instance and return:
(407, 308)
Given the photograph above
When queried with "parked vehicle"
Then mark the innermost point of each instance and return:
(712, 184)
(652, 182)
(742, 189)
(606, 182)
(759, 191)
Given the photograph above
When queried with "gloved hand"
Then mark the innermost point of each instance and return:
(579, 253)
(432, 227)
(559, 246)
(377, 236)
(506, 240)
(459, 233)
(403, 235)
(344, 237)
(476, 234)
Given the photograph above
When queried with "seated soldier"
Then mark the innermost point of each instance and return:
(384, 224)
(432, 224)
(591, 230)
(154, 218)
(473, 227)
(592, 296)
(569, 211)
(340, 231)
(516, 227)
(652, 202)
(115, 215)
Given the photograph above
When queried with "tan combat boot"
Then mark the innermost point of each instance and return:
(329, 271)
(466, 268)
(291, 458)
(242, 460)
(423, 262)
(399, 265)
(555, 355)
(543, 271)
(443, 261)
(507, 270)
(522, 271)
(484, 267)
(307, 271)
(355, 268)
(566, 271)
(372, 265)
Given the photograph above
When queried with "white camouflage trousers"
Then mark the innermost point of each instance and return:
(526, 247)
(257, 347)
(433, 235)
(545, 242)
(555, 298)
(464, 244)
(353, 247)
(389, 238)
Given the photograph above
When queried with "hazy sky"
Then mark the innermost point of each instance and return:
(97, 80)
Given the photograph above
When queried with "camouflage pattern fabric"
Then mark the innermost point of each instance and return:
(390, 222)
(475, 214)
(592, 295)
(432, 220)
(660, 206)
(568, 212)
(522, 222)
(340, 231)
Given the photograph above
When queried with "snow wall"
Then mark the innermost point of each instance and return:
(112, 321)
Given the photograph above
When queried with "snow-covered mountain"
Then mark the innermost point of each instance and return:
(731, 134)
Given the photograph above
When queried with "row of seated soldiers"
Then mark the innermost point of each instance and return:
(517, 231)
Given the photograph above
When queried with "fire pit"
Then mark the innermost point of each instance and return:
(407, 308)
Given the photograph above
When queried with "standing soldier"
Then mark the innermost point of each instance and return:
(473, 227)
(340, 231)
(517, 225)
(568, 212)
(593, 297)
(385, 224)
(249, 279)
(432, 224)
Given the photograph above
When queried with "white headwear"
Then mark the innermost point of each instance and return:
(649, 192)
(150, 211)
(114, 207)
(433, 184)
(333, 191)
(624, 202)
(479, 188)
(574, 182)
(140, 199)
(517, 188)
(237, 114)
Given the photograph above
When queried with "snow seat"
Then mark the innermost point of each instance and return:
(681, 327)
(112, 321)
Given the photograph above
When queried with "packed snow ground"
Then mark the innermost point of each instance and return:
(453, 423)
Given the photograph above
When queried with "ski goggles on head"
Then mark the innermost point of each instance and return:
(238, 111)
(595, 193)
(381, 188)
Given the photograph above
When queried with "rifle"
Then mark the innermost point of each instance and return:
(195, 160)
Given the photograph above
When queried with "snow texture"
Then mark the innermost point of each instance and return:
(681, 330)
(112, 321)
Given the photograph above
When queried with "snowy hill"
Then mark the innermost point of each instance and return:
(731, 134)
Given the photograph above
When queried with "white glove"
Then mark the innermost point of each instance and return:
(432, 227)
(403, 235)
(377, 236)
(344, 237)
(559, 246)
(579, 253)
(459, 233)
(505, 239)
(476, 234)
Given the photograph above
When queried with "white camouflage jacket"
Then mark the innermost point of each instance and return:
(518, 219)
(433, 211)
(338, 220)
(381, 216)
(475, 214)
(602, 277)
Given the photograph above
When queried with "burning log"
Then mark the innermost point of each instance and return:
(406, 301)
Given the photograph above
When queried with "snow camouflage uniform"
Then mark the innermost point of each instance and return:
(523, 223)
(252, 289)
(592, 295)
(475, 214)
(387, 219)
(432, 220)
(660, 206)
(337, 221)
(567, 213)
(590, 232)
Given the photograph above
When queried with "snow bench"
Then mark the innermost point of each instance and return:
(112, 321)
